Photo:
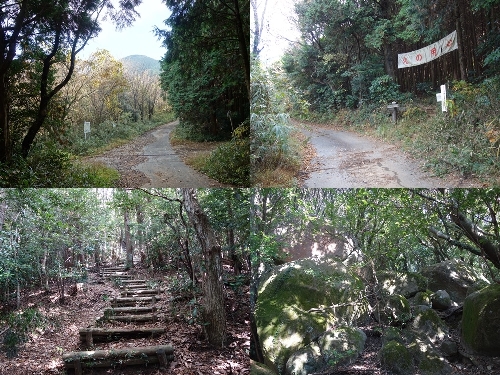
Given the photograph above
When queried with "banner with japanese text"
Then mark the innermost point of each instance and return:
(429, 53)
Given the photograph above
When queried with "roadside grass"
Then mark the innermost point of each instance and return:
(109, 134)
(52, 164)
(51, 167)
(283, 169)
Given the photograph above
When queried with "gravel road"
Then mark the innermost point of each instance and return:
(347, 160)
(151, 161)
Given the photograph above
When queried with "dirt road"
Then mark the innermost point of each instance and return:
(347, 160)
(151, 161)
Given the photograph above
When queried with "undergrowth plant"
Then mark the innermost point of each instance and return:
(20, 325)
(271, 145)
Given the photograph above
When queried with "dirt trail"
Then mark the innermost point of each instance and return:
(151, 161)
(347, 160)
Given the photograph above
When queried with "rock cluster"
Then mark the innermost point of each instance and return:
(309, 311)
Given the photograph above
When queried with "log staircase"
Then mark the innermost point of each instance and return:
(136, 305)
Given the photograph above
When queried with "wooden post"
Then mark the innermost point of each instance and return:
(162, 358)
(89, 339)
(78, 366)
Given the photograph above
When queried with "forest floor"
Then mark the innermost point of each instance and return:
(151, 161)
(192, 354)
(345, 159)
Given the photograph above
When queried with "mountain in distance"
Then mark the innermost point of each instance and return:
(140, 63)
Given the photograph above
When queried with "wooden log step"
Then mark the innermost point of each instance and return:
(122, 310)
(140, 292)
(132, 318)
(91, 335)
(118, 276)
(135, 281)
(161, 354)
(132, 301)
(133, 286)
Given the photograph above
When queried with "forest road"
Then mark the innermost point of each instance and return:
(150, 161)
(347, 160)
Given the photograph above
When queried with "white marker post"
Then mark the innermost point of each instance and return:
(442, 98)
(86, 128)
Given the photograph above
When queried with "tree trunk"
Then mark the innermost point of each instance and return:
(129, 251)
(213, 314)
(5, 141)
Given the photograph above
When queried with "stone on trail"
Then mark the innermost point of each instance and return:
(395, 357)
(441, 300)
(300, 300)
(393, 310)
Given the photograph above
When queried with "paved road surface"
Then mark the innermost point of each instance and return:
(347, 160)
(150, 161)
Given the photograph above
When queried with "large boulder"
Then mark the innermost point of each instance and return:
(407, 284)
(300, 300)
(481, 321)
(428, 324)
(453, 275)
(395, 357)
(333, 348)
(257, 368)
(394, 310)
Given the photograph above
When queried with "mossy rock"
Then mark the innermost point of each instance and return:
(294, 305)
(396, 334)
(428, 323)
(481, 321)
(407, 284)
(478, 285)
(395, 357)
(334, 348)
(394, 310)
(257, 368)
(427, 357)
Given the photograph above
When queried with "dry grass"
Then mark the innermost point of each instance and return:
(285, 172)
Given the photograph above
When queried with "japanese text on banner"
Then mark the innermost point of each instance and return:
(429, 53)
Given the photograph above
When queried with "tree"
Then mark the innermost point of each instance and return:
(45, 33)
(214, 315)
(205, 38)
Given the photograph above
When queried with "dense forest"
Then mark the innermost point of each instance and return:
(350, 280)
(206, 72)
(343, 70)
(193, 244)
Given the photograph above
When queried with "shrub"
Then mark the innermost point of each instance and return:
(19, 328)
(230, 162)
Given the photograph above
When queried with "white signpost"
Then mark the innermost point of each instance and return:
(86, 128)
(442, 98)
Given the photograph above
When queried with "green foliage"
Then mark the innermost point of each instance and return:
(20, 326)
(201, 88)
(384, 90)
(230, 162)
(48, 166)
(271, 144)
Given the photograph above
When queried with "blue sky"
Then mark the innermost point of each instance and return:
(137, 39)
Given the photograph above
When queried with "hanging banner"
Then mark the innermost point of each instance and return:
(429, 53)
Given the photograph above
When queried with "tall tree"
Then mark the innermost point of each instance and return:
(205, 38)
(214, 314)
(44, 32)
